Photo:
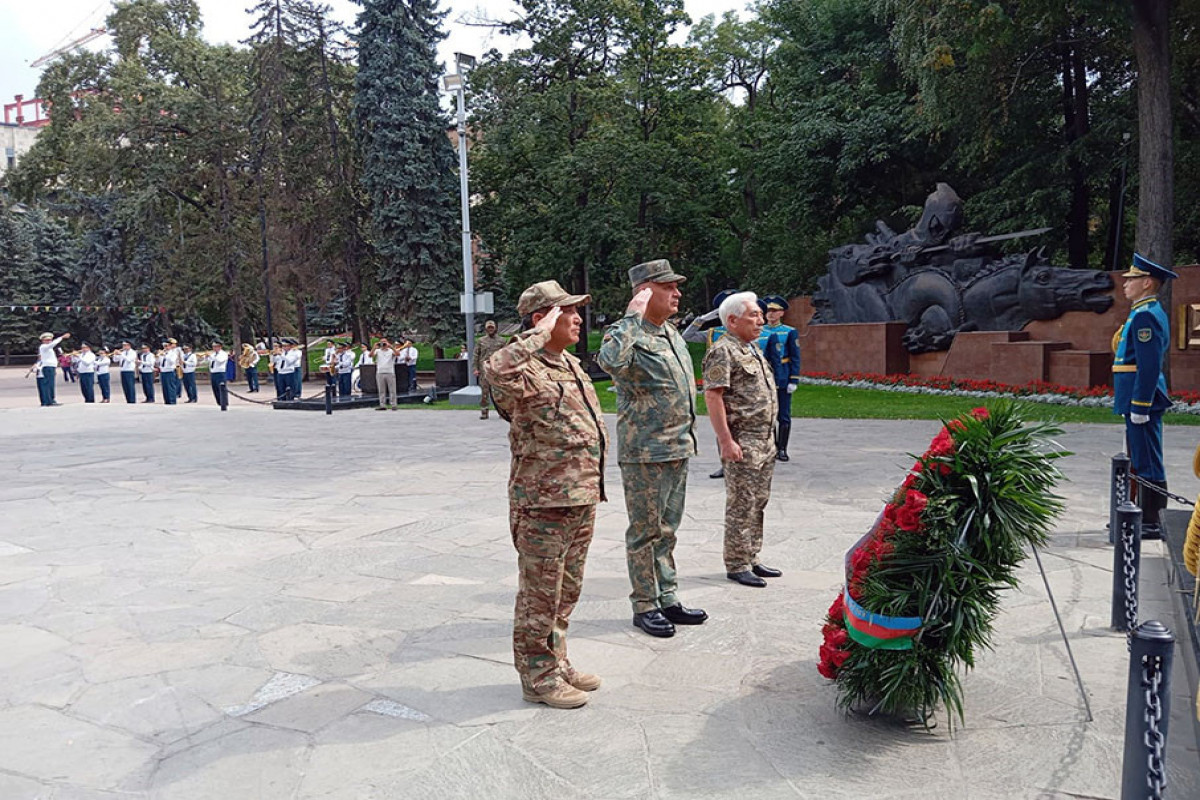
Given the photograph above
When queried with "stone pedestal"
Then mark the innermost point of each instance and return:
(450, 373)
(862, 347)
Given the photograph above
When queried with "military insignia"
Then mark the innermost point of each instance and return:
(1144, 334)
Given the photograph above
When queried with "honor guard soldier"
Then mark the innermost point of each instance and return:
(147, 363)
(786, 363)
(128, 359)
(1139, 388)
(740, 392)
(656, 417)
(557, 437)
(485, 345)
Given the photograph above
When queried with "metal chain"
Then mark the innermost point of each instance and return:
(1123, 489)
(1147, 485)
(1129, 572)
(1156, 778)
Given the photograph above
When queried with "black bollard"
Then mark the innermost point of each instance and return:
(1127, 557)
(224, 396)
(328, 399)
(1118, 492)
(1147, 711)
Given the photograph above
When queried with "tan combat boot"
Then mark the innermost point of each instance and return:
(584, 681)
(560, 695)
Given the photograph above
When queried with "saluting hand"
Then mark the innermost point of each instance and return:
(639, 302)
(548, 322)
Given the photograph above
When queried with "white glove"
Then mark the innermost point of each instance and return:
(791, 388)
(1139, 419)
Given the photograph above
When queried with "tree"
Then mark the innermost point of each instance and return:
(408, 165)
(1156, 157)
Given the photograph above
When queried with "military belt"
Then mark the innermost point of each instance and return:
(1124, 368)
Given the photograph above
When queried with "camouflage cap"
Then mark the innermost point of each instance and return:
(548, 293)
(657, 271)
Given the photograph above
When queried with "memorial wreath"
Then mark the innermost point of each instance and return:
(923, 586)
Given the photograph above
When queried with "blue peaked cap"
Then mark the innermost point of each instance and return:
(1143, 267)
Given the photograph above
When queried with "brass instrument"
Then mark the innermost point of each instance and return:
(249, 357)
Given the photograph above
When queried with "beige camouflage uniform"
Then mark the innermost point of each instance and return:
(485, 346)
(558, 441)
(751, 403)
(656, 414)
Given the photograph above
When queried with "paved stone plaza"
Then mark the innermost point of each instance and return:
(262, 604)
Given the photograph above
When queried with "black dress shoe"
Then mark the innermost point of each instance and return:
(782, 456)
(720, 473)
(1151, 532)
(684, 616)
(654, 623)
(765, 572)
(746, 578)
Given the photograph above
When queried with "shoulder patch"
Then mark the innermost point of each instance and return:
(1144, 334)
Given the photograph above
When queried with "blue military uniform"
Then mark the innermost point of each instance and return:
(784, 340)
(1140, 390)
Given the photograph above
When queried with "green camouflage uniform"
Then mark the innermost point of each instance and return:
(751, 403)
(485, 346)
(558, 440)
(656, 415)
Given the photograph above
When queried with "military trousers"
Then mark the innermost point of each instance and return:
(485, 392)
(1146, 447)
(552, 545)
(654, 498)
(747, 490)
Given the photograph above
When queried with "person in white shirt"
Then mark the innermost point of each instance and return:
(275, 360)
(87, 373)
(365, 358)
(406, 356)
(190, 361)
(103, 364)
(49, 371)
(146, 366)
(345, 366)
(167, 361)
(330, 360)
(293, 356)
(385, 374)
(127, 358)
(217, 361)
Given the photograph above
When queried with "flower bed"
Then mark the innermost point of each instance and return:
(1037, 391)
(924, 584)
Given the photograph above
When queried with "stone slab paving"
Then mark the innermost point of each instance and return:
(258, 604)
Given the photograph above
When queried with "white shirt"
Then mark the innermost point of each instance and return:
(147, 362)
(46, 352)
(364, 358)
(87, 363)
(102, 365)
(330, 354)
(385, 361)
(345, 363)
(189, 363)
(217, 361)
(128, 360)
(291, 361)
(407, 355)
(169, 359)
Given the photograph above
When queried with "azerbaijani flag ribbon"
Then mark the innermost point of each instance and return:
(878, 631)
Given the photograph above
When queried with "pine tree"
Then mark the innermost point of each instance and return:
(408, 165)
(18, 327)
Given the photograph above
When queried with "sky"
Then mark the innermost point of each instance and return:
(29, 30)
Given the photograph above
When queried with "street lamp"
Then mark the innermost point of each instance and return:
(456, 83)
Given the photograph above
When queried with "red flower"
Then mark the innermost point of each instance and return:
(909, 481)
(942, 444)
(980, 413)
(836, 637)
(855, 589)
(827, 670)
(860, 560)
(916, 500)
(881, 549)
(909, 520)
(838, 610)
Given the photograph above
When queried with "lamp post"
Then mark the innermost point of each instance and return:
(456, 83)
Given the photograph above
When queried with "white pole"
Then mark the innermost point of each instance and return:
(468, 270)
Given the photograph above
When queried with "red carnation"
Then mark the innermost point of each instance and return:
(838, 610)
(980, 413)
(916, 500)
(882, 549)
(942, 444)
(860, 560)
(827, 670)
(909, 519)
(836, 637)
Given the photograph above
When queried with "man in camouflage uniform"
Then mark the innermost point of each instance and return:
(485, 345)
(656, 416)
(739, 389)
(558, 441)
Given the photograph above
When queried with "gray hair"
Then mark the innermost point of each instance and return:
(735, 305)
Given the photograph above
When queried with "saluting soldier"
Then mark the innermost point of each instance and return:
(786, 363)
(485, 345)
(558, 441)
(1139, 388)
(656, 418)
(739, 389)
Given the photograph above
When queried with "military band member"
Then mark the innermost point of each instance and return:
(329, 359)
(656, 417)
(345, 369)
(786, 364)
(127, 358)
(218, 361)
(87, 373)
(147, 363)
(49, 367)
(293, 358)
(248, 361)
(558, 441)
(485, 345)
(1139, 387)
(167, 361)
(103, 376)
(740, 392)
(190, 361)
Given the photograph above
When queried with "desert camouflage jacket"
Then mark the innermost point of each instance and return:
(656, 390)
(485, 346)
(751, 401)
(556, 430)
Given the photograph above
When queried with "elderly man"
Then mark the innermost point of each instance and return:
(558, 441)
(656, 417)
(739, 389)
(48, 373)
(1139, 388)
(485, 345)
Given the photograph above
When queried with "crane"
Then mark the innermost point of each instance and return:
(79, 41)
(95, 24)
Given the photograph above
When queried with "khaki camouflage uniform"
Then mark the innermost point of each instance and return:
(656, 413)
(485, 346)
(558, 440)
(751, 403)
